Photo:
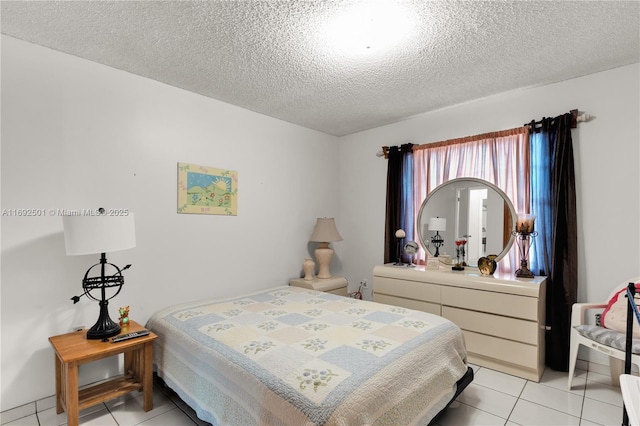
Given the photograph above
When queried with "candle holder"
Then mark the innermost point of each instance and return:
(524, 234)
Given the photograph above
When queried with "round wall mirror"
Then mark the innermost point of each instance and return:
(467, 209)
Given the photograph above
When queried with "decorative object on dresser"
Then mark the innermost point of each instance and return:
(463, 252)
(502, 317)
(487, 265)
(524, 238)
(410, 249)
(400, 234)
(437, 224)
(460, 263)
(93, 234)
(325, 232)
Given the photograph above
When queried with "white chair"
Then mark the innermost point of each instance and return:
(603, 340)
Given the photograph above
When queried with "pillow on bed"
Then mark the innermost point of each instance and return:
(614, 316)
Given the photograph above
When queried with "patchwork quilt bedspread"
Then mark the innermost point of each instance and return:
(295, 356)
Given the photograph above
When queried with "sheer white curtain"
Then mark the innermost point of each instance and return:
(501, 158)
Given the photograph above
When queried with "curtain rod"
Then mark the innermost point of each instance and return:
(576, 117)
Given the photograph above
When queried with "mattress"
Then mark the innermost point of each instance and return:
(289, 355)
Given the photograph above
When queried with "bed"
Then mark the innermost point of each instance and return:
(289, 355)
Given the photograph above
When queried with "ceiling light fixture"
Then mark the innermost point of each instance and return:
(372, 26)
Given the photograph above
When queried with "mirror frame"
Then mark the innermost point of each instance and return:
(426, 243)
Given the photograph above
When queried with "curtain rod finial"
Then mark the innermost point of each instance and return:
(585, 117)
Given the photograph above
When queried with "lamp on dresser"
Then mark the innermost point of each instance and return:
(99, 234)
(437, 224)
(324, 233)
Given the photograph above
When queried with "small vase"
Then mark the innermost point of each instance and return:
(487, 265)
(308, 266)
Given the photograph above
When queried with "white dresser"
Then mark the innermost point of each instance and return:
(502, 317)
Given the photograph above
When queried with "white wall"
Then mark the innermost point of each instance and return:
(607, 171)
(77, 134)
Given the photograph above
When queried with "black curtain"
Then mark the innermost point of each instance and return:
(394, 218)
(560, 241)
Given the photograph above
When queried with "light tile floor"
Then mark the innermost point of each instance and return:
(492, 398)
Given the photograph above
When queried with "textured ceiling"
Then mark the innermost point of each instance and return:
(276, 57)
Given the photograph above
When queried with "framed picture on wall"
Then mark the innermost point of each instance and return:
(207, 190)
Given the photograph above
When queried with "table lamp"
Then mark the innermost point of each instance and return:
(437, 224)
(324, 233)
(93, 234)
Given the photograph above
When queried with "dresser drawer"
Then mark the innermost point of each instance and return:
(501, 349)
(493, 325)
(418, 305)
(409, 289)
(496, 303)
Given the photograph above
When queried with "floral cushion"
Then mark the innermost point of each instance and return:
(607, 337)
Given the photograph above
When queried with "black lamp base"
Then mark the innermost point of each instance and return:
(437, 242)
(105, 327)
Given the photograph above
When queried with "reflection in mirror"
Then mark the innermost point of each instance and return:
(437, 224)
(475, 210)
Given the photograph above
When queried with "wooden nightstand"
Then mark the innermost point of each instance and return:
(73, 349)
(335, 284)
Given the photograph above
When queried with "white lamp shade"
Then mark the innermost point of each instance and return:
(325, 231)
(437, 224)
(98, 234)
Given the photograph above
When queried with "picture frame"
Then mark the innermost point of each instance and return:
(207, 190)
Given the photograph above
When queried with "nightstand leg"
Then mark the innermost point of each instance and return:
(147, 375)
(71, 391)
(59, 387)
